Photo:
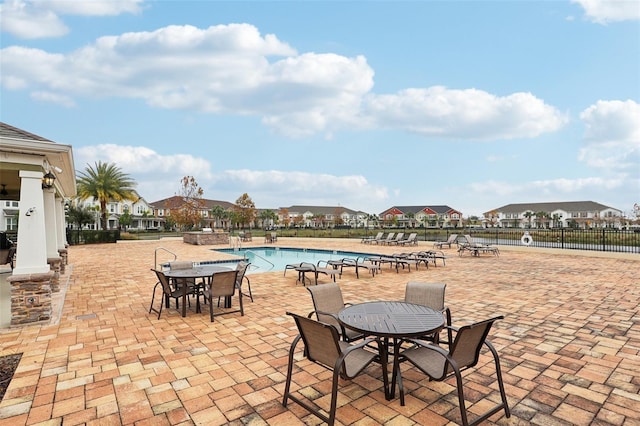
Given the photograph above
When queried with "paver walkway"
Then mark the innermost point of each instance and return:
(569, 344)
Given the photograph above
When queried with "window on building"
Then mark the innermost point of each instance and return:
(11, 223)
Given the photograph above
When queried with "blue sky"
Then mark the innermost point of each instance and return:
(363, 104)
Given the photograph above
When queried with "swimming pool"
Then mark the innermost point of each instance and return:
(269, 259)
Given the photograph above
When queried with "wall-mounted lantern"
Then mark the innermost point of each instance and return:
(47, 180)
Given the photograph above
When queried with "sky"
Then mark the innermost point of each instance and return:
(360, 104)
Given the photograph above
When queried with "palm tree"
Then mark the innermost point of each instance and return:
(106, 182)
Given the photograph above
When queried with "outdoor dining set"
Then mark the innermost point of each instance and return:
(347, 338)
(185, 280)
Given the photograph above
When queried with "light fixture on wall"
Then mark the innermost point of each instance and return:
(4, 190)
(48, 179)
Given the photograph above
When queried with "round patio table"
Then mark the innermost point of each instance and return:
(391, 320)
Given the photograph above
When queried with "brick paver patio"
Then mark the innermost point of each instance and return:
(569, 344)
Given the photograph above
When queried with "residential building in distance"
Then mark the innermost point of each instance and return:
(162, 208)
(322, 217)
(141, 212)
(572, 214)
(422, 216)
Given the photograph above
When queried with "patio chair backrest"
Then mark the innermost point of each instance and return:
(241, 268)
(465, 349)
(164, 281)
(430, 295)
(327, 298)
(223, 284)
(320, 340)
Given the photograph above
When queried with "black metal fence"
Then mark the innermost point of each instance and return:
(610, 240)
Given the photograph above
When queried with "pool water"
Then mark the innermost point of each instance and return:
(269, 259)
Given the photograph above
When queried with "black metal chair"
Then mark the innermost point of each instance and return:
(324, 347)
(439, 364)
(327, 302)
(168, 292)
(222, 284)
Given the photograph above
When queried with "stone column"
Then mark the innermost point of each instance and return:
(30, 297)
(31, 256)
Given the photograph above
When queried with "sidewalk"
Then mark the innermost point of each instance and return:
(569, 344)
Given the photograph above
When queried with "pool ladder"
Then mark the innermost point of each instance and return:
(259, 257)
(155, 256)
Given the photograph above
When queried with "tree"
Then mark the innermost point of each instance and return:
(528, 215)
(125, 218)
(80, 216)
(219, 213)
(542, 217)
(268, 218)
(245, 210)
(187, 214)
(105, 183)
(285, 217)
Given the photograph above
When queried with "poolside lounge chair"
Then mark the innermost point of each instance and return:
(399, 236)
(358, 263)
(306, 267)
(411, 240)
(430, 256)
(371, 238)
(389, 237)
(475, 248)
(451, 240)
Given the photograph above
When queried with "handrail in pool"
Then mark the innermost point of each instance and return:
(155, 255)
(258, 256)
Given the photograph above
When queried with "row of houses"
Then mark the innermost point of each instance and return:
(574, 214)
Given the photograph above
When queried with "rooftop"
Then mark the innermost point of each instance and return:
(569, 344)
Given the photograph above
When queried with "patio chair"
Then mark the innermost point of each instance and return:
(439, 364)
(184, 264)
(11, 254)
(451, 240)
(430, 295)
(322, 346)
(274, 237)
(242, 268)
(167, 293)
(327, 302)
(223, 284)
(268, 239)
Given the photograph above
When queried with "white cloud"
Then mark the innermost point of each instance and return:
(31, 19)
(26, 20)
(233, 69)
(91, 7)
(465, 114)
(53, 98)
(605, 11)
(612, 136)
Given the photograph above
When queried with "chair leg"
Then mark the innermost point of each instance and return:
(287, 385)
(249, 287)
(211, 307)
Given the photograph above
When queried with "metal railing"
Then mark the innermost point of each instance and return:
(609, 240)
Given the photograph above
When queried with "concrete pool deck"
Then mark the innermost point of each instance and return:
(569, 344)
